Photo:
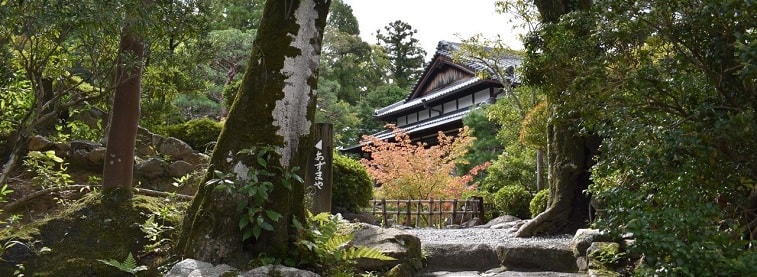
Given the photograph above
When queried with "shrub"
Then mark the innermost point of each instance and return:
(513, 200)
(539, 203)
(352, 188)
(199, 133)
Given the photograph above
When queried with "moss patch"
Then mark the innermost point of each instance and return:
(70, 243)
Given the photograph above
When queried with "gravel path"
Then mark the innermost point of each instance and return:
(480, 236)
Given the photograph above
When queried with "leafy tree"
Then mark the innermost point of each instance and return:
(570, 153)
(404, 52)
(516, 164)
(228, 54)
(486, 147)
(669, 86)
(236, 14)
(379, 97)
(408, 170)
(493, 55)
(265, 141)
(58, 63)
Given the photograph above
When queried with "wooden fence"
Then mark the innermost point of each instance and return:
(428, 213)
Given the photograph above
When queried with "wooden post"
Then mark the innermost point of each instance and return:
(454, 212)
(480, 208)
(418, 213)
(383, 212)
(431, 212)
(321, 170)
(407, 213)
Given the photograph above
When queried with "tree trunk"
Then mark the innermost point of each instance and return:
(570, 157)
(569, 154)
(275, 106)
(118, 170)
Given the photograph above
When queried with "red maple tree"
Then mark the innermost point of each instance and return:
(408, 170)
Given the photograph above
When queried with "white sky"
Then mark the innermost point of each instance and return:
(435, 20)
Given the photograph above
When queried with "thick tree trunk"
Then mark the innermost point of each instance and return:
(569, 154)
(570, 157)
(275, 107)
(122, 134)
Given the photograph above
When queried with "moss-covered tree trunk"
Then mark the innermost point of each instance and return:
(118, 170)
(570, 157)
(569, 154)
(275, 106)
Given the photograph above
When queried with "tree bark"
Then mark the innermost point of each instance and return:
(118, 172)
(275, 106)
(570, 157)
(569, 154)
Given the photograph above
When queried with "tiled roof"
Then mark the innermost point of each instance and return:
(426, 124)
(445, 49)
(417, 126)
(418, 102)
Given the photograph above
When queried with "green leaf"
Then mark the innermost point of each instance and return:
(267, 226)
(243, 222)
(256, 231)
(273, 215)
(248, 233)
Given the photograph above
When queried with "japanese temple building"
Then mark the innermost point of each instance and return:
(444, 94)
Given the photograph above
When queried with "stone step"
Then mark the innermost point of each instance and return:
(516, 258)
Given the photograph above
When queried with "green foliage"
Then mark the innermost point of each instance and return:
(4, 192)
(404, 52)
(129, 265)
(254, 190)
(669, 86)
(517, 163)
(485, 148)
(533, 129)
(513, 200)
(200, 133)
(15, 101)
(608, 256)
(539, 202)
(328, 240)
(49, 170)
(352, 187)
(155, 232)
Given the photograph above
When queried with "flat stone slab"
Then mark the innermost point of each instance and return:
(460, 256)
(500, 272)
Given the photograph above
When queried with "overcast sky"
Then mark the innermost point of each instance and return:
(435, 20)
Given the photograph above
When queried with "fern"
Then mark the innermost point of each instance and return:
(129, 265)
(353, 253)
(330, 243)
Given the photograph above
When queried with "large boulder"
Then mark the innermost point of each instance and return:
(174, 148)
(195, 268)
(151, 168)
(393, 242)
(537, 254)
(584, 238)
(498, 221)
(40, 143)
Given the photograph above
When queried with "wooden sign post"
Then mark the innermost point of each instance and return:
(318, 186)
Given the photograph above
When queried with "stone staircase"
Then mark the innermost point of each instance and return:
(544, 257)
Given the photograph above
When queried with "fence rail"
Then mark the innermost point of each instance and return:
(428, 213)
